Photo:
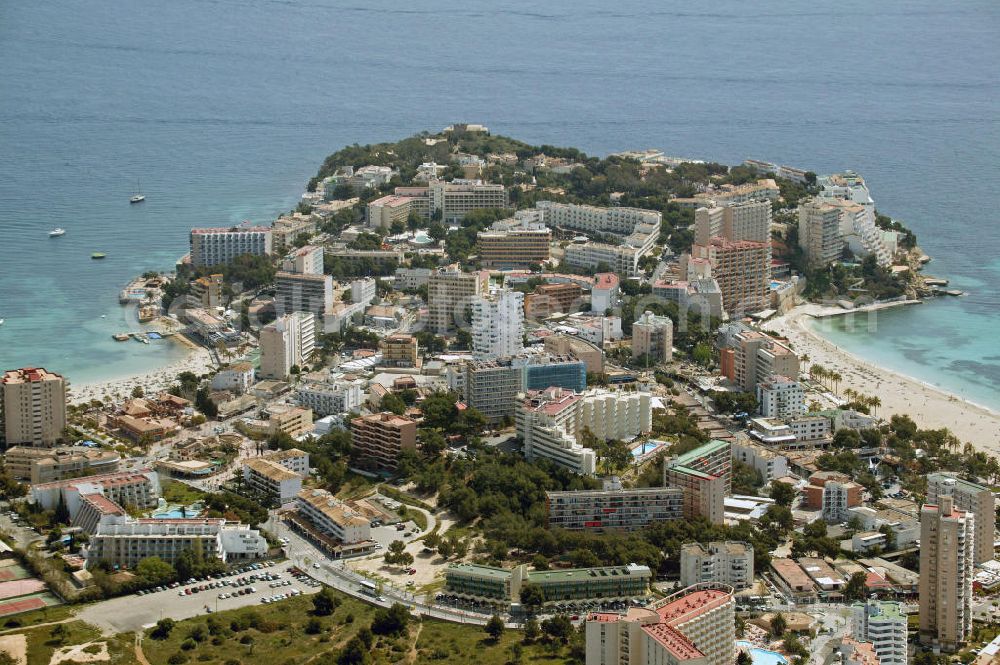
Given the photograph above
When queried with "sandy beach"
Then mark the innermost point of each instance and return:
(930, 408)
(198, 360)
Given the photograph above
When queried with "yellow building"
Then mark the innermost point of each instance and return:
(32, 407)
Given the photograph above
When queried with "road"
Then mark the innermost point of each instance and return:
(335, 574)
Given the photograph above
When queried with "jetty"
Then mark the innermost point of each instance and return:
(828, 312)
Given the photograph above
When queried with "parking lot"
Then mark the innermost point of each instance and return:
(135, 611)
(383, 535)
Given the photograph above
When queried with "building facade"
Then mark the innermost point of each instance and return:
(449, 291)
(332, 517)
(705, 475)
(217, 246)
(728, 562)
(972, 498)
(46, 465)
(378, 439)
(286, 342)
(623, 509)
(947, 559)
(884, 624)
(32, 407)
(498, 325)
(653, 338)
(780, 397)
(819, 232)
(305, 292)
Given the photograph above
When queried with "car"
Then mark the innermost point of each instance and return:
(412, 571)
(265, 600)
(315, 565)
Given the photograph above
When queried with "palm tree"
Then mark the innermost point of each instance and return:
(836, 378)
(875, 403)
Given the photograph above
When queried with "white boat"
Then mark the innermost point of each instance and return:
(138, 196)
(55, 233)
(1, 322)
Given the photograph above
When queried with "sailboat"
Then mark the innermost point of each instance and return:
(55, 233)
(138, 197)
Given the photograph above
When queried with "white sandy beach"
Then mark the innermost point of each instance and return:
(930, 408)
(198, 360)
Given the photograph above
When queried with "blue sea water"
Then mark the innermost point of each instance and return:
(225, 108)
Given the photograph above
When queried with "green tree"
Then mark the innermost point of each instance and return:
(743, 658)
(494, 628)
(783, 494)
(532, 597)
(855, 589)
(162, 629)
(531, 630)
(558, 628)
(354, 653)
(391, 621)
(778, 625)
(394, 403)
(153, 570)
(325, 602)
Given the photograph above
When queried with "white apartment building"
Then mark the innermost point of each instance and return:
(780, 397)
(592, 219)
(550, 422)
(286, 342)
(296, 292)
(412, 278)
(850, 192)
(306, 260)
(216, 246)
(332, 517)
(770, 464)
(123, 541)
(139, 489)
(604, 294)
(272, 479)
(498, 324)
(293, 459)
(336, 397)
(728, 562)
(363, 291)
(238, 378)
(882, 623)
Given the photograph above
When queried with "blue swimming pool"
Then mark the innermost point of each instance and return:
(646, 447)
(762, 656)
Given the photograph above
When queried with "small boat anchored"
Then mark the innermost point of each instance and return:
(55, 233)
(138, 197)
(97, 255)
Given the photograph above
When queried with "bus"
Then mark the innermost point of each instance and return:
(368, 587)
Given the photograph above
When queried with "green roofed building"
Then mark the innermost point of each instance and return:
(503, 586)
(705, 476)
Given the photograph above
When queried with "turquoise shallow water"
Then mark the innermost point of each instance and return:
(225, 108)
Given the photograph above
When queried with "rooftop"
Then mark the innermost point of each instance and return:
(270, 470)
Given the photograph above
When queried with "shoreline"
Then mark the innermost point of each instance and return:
(929, 406)
(198, 360)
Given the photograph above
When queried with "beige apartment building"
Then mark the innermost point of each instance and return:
(400, 351)
(947, 546)
(742, 268)
(973, 498)
(755, 358)
(749, 220)
(819, 232)
(549, 299)
(32, 407)
(46, 465)
(518, 247)
(449, 291)
(291, 420)
(303, 292)
(378, 439)
(653, 337)
(286, 342)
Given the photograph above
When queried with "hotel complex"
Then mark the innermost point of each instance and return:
(217, 246)
(947, 558)
(705, 475)
(695, 626)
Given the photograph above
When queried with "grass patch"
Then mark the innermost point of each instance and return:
(35, 617)
(419, 518)
(264, 634)
(43, 642)
(174, 491)
(443, 642)
(355, 486)
(403, 497)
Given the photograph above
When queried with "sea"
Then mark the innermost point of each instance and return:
(221, 110)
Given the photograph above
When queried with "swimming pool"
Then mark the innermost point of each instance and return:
(646, 448)
(175, 512)
(762, 656)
